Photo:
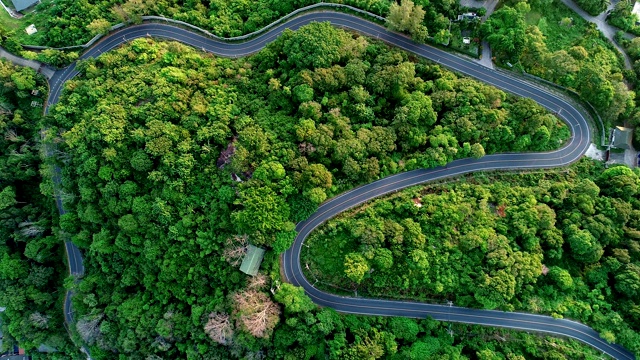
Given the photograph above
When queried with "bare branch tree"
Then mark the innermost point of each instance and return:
(254, 355)
(59, 139)
(30, 229)
(39, 320)
(24, 148)
(65, 196)
(168, 315)
(306, 148)
(258, 282)
(161, 343)
(219, 328)
(235, 249)
(227, 154)
(256, 313)
(11, 135)
(4, 108)
(89, 327)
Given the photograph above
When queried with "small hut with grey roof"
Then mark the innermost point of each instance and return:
(24, 4)
(622, 138)
(252, 260)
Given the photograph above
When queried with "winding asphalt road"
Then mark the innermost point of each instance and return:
(571, 152)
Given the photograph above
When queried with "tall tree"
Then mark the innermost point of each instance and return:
(408, 17)
(255, 313)
(505, 32)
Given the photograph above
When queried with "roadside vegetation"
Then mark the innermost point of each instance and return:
(594, 7)
(8, 22)
(148, 154)
(322, 332)
(32, 263)
(548, 40)
(622, 17)
(633, 49)
(66, 23)
(174, 161)
(541, 36)
(70, 22)
(564, 244)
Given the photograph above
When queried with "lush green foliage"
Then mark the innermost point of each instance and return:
(408, 17)
(504, 31)
(325, 334)
(596, 77)
(69, 22)
(633, 49)
(65, 22)
(31, 255)
(593, 7)
(313, 114)
(483, 242)
(560, 46)
(622, 17)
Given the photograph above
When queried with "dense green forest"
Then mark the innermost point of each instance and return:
(70, 22)
(594, 7)
(548, 40)
(32, 267)
(151, 135)
(311, 335)
(633, 49)
(565, 243)
(543, 37)
(622, 17)
(173, 161)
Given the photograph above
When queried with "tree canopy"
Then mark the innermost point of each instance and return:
(31, 266)
(561, 244)
(182, 159)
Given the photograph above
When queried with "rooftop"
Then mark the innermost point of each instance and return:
(31, 29)
(622, 138)
(636, 8)
(252, 260)
(24, 4)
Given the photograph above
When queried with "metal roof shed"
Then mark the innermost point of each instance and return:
(24, 4)
(252, 260)
(622, 137)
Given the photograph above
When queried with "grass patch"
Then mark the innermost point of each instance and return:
(456, 43)
(471, 49)
(36, 16)
(532, 17)
(7, 21)
(559, 36)
(38, 19)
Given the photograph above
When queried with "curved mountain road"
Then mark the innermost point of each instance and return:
(571, 152)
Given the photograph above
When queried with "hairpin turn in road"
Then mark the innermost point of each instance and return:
(569, 153)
